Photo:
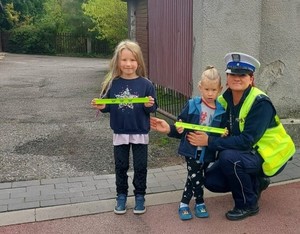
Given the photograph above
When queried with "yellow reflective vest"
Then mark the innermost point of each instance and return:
(276, 147)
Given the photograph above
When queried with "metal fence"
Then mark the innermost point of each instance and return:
(65, 44)
(169, 101)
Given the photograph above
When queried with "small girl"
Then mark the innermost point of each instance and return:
(130, 122)
(204, 110)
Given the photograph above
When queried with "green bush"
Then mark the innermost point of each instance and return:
(30, 39)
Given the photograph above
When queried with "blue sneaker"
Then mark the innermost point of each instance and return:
(201, 211)
(139, 205)
(120, 207)
(185, 213)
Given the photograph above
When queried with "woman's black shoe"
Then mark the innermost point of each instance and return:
(238, 214)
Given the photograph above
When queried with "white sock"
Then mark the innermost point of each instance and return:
(183, 205)
(200, 204)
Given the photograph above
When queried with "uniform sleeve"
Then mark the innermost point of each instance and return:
(259, 118)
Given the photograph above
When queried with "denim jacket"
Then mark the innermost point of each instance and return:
(191, 114)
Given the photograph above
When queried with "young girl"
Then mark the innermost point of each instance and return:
(130, 122)
(204, 110)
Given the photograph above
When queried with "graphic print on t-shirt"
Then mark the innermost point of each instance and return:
(203, 117)
(206, 115)
(126, 94)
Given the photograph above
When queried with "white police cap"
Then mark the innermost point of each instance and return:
(240, 63)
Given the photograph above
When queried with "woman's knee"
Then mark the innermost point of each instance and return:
(215, 185)
(227, 157)
(214, 179)
(209, 184)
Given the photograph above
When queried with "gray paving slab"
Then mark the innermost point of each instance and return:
(24, 195)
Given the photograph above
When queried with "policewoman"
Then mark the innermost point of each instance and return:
(257, 146)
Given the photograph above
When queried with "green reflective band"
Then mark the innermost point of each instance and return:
(121, 100)
(200, 127)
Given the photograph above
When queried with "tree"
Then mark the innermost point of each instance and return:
(12, 17)
(15, 13)
(1, 7)
(109, 17)
(77, 21)
(53, 15)
(66, 16)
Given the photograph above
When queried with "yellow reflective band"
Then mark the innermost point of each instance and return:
(121, 100)
(200, 127)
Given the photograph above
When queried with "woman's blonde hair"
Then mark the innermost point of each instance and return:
(210, 73)
(115, 71)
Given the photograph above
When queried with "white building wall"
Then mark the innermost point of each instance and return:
(280, 55)
(266, 29)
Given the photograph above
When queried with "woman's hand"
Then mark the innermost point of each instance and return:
(159, 125)
(150, 103)
(97, 106)
(198, 138)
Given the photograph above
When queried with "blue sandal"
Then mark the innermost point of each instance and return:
(201, 211)
(185, 213)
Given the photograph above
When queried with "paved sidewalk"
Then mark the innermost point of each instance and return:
(279, 213)
(38, 200)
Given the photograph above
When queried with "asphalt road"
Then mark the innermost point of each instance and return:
(49, 130)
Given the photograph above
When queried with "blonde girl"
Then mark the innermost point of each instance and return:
(130, 122)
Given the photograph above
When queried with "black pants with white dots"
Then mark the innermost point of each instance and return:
(140, 158)
(194, 182)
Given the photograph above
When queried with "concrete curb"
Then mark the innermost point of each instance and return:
(88, 208)
(2, 55)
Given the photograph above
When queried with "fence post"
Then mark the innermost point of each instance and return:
(88, 45)
(0, 41)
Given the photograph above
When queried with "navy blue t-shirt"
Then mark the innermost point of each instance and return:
(130, 118)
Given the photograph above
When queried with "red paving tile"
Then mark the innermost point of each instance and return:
(279, 213)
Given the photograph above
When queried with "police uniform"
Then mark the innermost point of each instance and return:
(239, 168)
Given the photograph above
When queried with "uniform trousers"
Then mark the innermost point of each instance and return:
(140, 158)
(236, 172)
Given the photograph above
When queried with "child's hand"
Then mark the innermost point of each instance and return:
(150, 103)
(180, 129)
(97, 106)
(159, 125)
(225, 133)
